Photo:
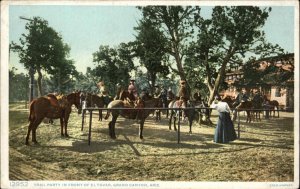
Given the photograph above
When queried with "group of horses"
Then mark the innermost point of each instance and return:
(253, 107)
(52, 107)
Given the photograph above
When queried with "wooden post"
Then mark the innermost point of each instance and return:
(90, 126)
(83, 115)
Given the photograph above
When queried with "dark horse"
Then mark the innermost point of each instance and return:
(191, 114)
(257, 106)
(271, 105)
(53, 108)
(246, 106)
(133, 113)
(93, 100)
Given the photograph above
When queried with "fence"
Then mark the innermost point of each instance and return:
(84, 110)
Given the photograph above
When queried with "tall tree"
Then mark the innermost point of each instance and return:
(113, 65)
(176, 23)
(42, 49)
(227, 39)
(150, 48)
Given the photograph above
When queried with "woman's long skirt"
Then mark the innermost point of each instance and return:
(225, 130)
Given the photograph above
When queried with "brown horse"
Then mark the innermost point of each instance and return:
(133, 113)
(53, 108)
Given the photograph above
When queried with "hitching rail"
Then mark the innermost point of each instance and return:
(178, 109)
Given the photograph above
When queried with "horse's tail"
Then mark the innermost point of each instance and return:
(31, 111)
(107, 114)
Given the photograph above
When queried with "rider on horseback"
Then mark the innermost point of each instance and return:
(103, 91)
(183, 94)
(132, 90)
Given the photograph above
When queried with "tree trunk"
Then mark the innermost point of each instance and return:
(221, 75)
(39, 82)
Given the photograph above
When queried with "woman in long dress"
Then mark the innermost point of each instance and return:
(225, 130)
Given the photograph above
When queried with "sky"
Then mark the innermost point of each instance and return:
(85, 28)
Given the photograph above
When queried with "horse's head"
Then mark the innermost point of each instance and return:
(74, 98)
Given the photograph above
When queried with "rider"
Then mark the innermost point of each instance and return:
(170, 94)
(183, 94)
(157, 91)
(132, 90)
(197, 97)
(118, 91)
(103, 91)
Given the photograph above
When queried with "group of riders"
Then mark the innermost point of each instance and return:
(182, 98)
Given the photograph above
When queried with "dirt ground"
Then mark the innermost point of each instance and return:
(264, 152)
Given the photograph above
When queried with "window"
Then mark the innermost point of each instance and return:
(277, 92)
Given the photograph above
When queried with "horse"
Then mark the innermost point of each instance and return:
(53, 108)
(257, 106)
(137, 112)
(246, 106)
(190, 113)
(204, 112)
(93, 100)
(271, 105)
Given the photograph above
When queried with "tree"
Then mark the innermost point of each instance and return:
(176, 24)
(18, 85)
(113, 65)
(150, 49)
(42, 49)
(225, 40)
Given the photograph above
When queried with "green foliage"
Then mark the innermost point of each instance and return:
(176, 25)
(18, 86)
(113, 66)
(225, 41)
(149, 47)
(42, 48)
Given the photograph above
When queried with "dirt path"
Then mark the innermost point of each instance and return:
(263, 153)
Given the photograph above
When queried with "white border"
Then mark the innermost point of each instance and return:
(5, 183)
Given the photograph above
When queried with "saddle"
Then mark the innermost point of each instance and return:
(53, 100)
(57, 101)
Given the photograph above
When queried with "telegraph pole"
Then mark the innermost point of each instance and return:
(31, 71)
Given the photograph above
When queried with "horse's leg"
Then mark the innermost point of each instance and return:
(112, 125)
(191, 117)
(174, 119)
(142, 121)
(61, 126)
(170, 120)
(66, 120)
(100, 115)
(34, 126)
(28, 132)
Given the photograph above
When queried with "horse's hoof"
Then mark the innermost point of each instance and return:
(141, 137)
(66, 135)
(190, 132)
(27, 143)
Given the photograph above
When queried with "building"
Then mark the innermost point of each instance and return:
(284, 94)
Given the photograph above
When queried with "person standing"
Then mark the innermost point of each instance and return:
(224, 131)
